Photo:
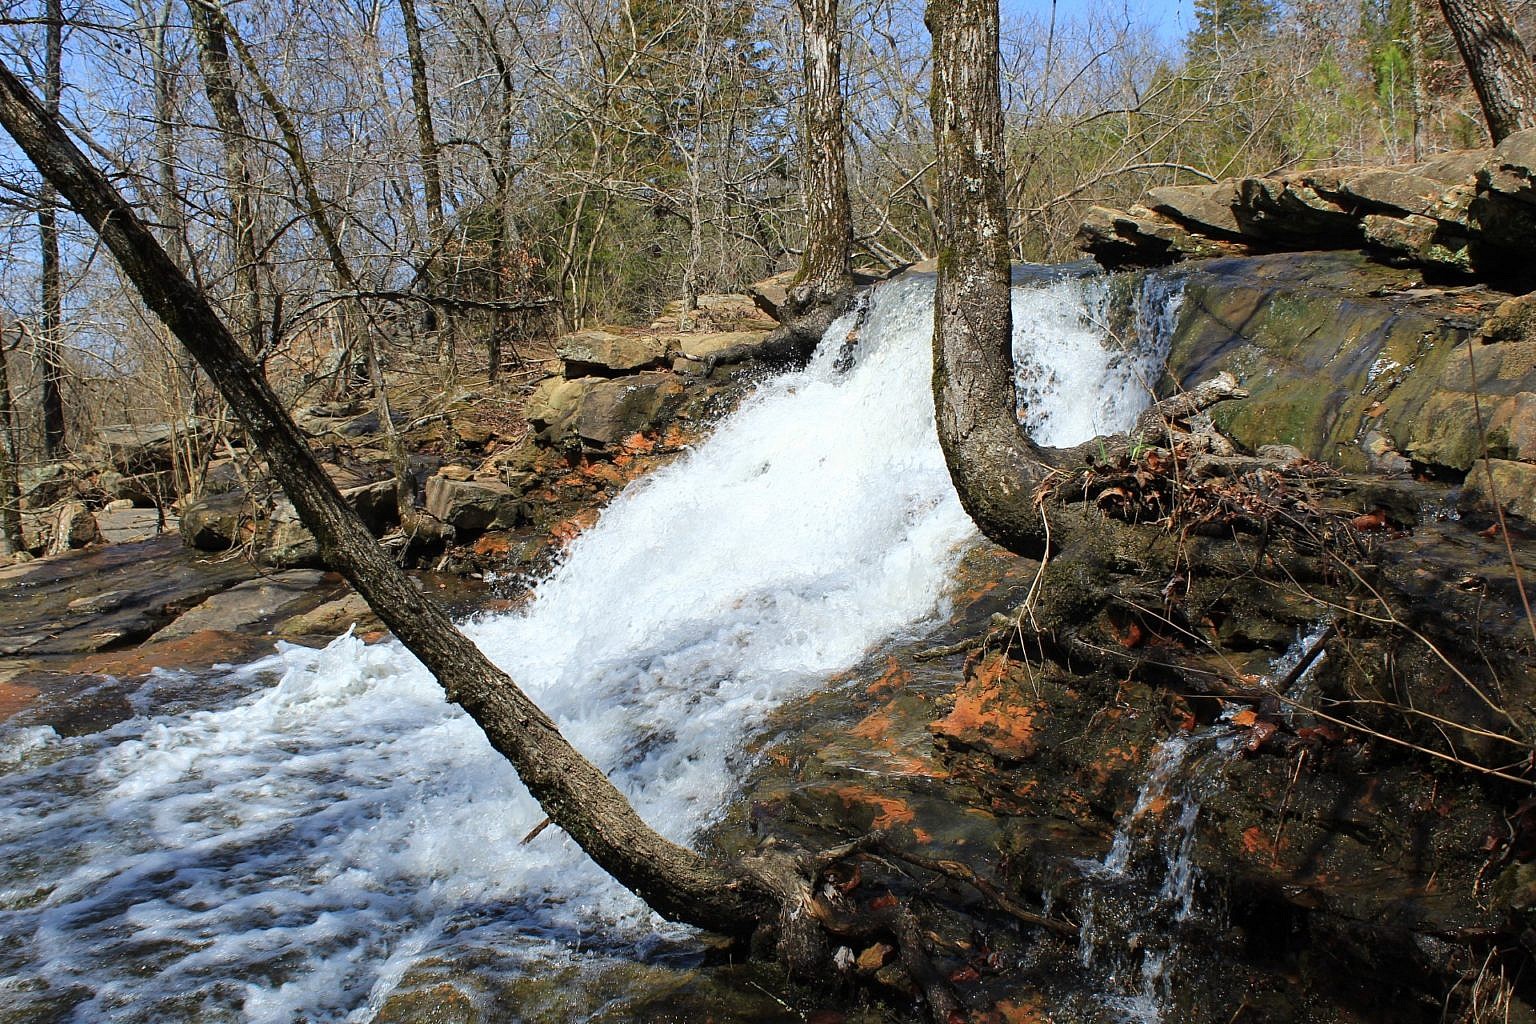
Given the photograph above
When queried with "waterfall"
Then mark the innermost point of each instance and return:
(285, 840)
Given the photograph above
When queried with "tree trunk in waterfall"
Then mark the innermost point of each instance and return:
(996, 468)
(994, 464)
(10, 484)
(51, 322)
(1498, 62)
(224, 99)
(824, 284)
(674, 881)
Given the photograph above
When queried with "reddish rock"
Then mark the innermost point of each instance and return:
(990, 714)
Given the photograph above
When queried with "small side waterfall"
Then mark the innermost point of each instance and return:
(284, 841)
(1144, 894)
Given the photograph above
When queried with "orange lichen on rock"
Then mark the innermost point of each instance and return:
(195, 650)
(889, 811)
(1010, 1011)
(1259, 845)
(566, 531)
(493, 545)
(637, 444)
(989, 714)
(892, 679)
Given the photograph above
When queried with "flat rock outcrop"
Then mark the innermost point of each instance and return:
(1468, 214)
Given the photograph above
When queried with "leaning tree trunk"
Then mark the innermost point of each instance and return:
(994, 464)
(676, 882)
(1498, 62)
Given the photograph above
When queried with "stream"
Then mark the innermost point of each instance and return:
(283, 841)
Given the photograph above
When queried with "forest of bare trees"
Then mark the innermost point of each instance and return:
(455, 182)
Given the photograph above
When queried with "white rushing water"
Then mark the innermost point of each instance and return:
(259, 851)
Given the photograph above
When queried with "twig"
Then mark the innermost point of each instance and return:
(960, 872)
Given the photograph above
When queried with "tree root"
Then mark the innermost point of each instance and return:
(816, 909)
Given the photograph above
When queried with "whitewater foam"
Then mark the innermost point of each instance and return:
(292, 848)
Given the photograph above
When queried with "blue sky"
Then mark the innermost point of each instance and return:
(1171, 18)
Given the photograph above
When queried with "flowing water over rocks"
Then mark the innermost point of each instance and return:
(289, 840)
(792, 631)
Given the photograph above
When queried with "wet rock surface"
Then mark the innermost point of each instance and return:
(1324, 873)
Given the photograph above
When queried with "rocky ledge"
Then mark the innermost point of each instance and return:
(1464, 214)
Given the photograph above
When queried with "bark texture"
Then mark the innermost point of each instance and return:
(826, 267)
(824, 285)
(10, 485)
(994, 464)
(224, 99)
(996, 468)
(1498, 62)
(51, 323)
(674, 881)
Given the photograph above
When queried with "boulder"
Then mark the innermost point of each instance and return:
(553, 406)
(139, 449)
(613, 410)
(1139, 238)
(719, 347)
(332, 618)
(144, 490)
(42, 486)
(770, 294)
(1514, 483)
(597, 412)
(1406, 238)
(247, 605)
(1208, 209)
(1517, 154)
(376, 504)
(470, 506)
(1468, 213)
(1400, 191)
(602, 354)
(217, 522)
(71, 525)
(128, 525)
(1292, 211)
(288, 544)
(1458, 167)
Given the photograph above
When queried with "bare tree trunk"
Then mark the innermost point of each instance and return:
(824, 283)
(224, 99)
(10, 485)
(1416, 59)
(996, 468)
(1498, 62)
(168, 207)
(426, 135)
(169, 204)
(994, 464)
(51, 325)
(431, 172)
(676, 882)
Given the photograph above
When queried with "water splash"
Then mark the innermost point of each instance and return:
(287, 840)
(1146, 888)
